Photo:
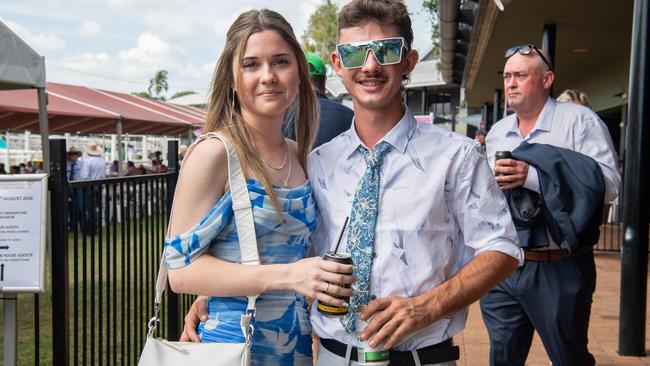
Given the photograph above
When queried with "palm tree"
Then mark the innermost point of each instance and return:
(158, 83)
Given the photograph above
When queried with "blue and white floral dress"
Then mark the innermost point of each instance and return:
(282, 329)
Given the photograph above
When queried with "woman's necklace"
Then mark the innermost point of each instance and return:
(286, 153)
(285, 181)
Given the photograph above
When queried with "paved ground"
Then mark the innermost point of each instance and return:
(603, 328)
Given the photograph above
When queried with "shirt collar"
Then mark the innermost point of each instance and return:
(544, 120)
(398, 136)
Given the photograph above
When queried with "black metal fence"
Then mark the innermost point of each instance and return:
(107, 238)
(610, 233)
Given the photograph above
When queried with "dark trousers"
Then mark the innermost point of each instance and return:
(553, 298)
(74, 208)
(83, 209)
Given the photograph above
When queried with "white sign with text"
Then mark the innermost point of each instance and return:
(23, 207)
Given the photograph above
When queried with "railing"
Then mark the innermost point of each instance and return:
(118, 226)
(105, 259)
(610, 238)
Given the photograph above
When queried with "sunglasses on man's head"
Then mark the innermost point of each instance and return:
(387, 51)
(527, 49)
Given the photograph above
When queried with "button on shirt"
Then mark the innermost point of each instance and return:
(566, 125)
(439, 206)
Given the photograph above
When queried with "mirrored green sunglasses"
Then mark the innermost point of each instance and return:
(387, 51)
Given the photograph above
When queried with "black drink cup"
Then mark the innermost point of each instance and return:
(333, 310)
(502, 155)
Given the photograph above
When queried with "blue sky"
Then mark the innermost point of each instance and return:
(120, 44)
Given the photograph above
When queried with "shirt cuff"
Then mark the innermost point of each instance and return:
(532, 180)
(505, 246)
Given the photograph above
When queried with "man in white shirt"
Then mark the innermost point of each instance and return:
(552, 292)
(92, 167)
(441, 233)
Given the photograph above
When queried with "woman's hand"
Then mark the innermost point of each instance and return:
(197, 313)
(320, 279)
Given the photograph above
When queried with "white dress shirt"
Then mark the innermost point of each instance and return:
(439, 206)
(567, 125)
(93, 167)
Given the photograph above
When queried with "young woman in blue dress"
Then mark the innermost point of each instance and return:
(260, 73)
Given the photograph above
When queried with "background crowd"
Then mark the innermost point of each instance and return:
(93, 166)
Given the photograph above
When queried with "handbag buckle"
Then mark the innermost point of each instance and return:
(151, 325)
(251, 313)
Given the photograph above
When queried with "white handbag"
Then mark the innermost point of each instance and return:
(160, 352)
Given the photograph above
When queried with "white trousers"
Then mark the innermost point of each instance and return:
(327, 358)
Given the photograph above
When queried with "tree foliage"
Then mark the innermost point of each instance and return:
(320, 35)
(158, 83)
(142, 94)
(432, 7)
(182, 93)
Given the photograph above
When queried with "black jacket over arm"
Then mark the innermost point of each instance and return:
(570, 203)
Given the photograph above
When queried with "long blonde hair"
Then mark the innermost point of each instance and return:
(224, 113)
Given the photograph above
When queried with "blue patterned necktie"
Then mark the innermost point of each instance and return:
(361, 234)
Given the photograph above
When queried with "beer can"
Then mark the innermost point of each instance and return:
(502, 155)
(333, 310)
(367, 355)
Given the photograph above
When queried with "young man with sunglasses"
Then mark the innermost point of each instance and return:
(568, 149)
(429, 231)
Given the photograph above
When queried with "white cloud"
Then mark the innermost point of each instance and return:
(137, 64)
(150, 48)
(118, 4)
(223, 23)
(89, 28)
(38, 41)
(153, 4)
(174, 26)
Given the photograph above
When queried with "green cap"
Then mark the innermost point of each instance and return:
(316, 65)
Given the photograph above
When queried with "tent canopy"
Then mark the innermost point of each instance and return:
(20, 66)
(86, 110)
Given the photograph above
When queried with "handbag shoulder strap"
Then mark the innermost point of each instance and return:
(245, 224)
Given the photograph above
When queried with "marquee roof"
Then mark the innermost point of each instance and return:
(82, 109)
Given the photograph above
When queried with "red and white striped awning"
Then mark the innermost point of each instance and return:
(82, 109)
